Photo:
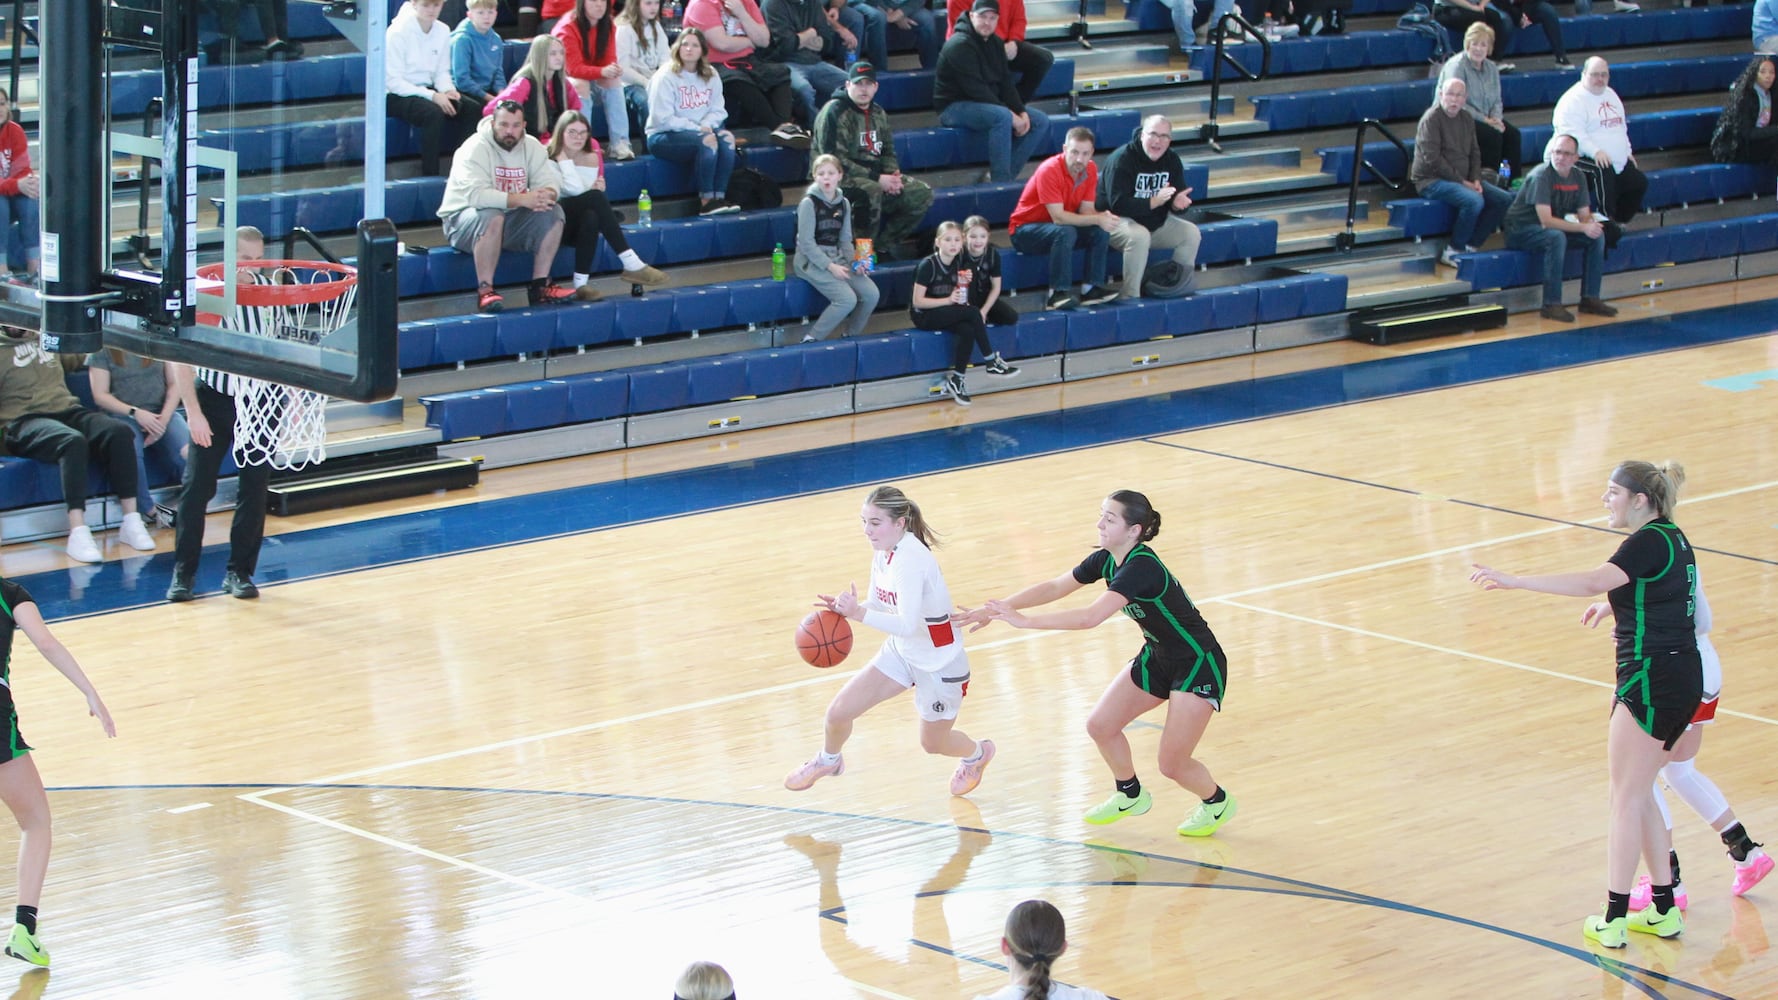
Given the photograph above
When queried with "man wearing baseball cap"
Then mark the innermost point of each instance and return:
(886, 207)
(1030, 62)
(973, 90)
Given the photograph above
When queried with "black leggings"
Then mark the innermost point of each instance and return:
(750, 105)
(589, 216)
(966, 323)
(1496, 145)
(70, 439)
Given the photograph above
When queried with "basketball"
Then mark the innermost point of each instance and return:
(824, 638)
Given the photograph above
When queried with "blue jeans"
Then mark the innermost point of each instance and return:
(617, 110)
(713, 166)
(871, 29)
(170, 446)
(636, 101)
(920, 17)
(1478, 215)
(813, 84)
(1006, 153)
(1554, 244)
(20, 246)
(1060, 243)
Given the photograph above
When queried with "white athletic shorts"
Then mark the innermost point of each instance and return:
(938, 694)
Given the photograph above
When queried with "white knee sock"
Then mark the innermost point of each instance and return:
(1698, 791)
(632, 262)
(580, 279)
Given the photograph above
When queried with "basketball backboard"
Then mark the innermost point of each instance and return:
(213, 121)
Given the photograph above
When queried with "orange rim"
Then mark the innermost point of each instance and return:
(340, 277)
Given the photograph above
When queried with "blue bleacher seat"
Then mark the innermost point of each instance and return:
(1090, 328)
(828, 363)
(414, 345)
(884, 355)
(1232, 306)
(525, 331)
(773, 371)
(715, 379)
(535, 405)
(931, 349)
(586, 324)
(462, 415)
(1138, 320)
(1189, 314)
(661, 387)
(702, 308)
(648, 316)
(463, 338)
(598, 396)
(758, 301)
(1040, 334)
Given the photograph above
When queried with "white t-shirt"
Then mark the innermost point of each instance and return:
(1057, 992)
(909, 600)
(1597, 122)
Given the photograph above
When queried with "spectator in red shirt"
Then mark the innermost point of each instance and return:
(1031, 62)
(590, 40)
(756, 91)
(1056, 215)
(19, 191)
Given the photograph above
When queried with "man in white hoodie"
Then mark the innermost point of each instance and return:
(417, 76)
(1594, 114)
(502, 195)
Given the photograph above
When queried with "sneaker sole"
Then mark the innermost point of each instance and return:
(27, 960)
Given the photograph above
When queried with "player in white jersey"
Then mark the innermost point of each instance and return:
(909, 601)
(1681, 774)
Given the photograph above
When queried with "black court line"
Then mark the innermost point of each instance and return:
(1281, 885)
(1476, 504)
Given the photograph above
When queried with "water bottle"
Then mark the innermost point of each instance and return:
(851, 57)
(1506, 173)
(778, 262)
(645, 209)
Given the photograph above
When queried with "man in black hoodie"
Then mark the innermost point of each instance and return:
(886, 206)
(973, 90)
(1143, 183)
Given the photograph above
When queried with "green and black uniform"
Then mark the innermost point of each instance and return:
(1180, 654)
(11, 596)
(1659, 676)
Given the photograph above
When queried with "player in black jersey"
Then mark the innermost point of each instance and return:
(1650, 581)
(1180, 664)
(21, 787)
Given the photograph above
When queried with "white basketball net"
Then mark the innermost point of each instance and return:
(277, 425)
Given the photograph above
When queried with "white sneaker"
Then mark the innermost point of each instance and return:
(620, 150)
(1449, 256)
(82, 547)
(134, 533)
(1625, 7)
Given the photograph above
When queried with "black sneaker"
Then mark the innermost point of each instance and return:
(1098, 295)
(1061, 298)
(997, 366)
(954, 388)
(236, 585)
(179, 591)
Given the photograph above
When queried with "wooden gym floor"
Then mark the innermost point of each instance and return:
(531, 742)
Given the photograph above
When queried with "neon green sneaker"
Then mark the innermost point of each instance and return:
(1609, 933)
(1119, 806)
(1207, 819)
(1665, 925)
(25, 947)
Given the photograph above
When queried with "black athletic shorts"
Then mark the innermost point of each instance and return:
(1204, 674)
(1662, 692)
(15, 741)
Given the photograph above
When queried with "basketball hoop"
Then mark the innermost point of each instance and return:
(303, 300)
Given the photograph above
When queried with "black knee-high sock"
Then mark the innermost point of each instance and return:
(27, 918)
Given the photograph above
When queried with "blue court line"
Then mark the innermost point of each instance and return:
(1744, 382)
(486, 524)
(1284, 885)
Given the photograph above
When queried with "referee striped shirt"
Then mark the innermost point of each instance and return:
(260, 321)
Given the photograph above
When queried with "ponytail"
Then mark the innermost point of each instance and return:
(1660, 483)
(1137, 510)
(1035, 936)
(896, 504)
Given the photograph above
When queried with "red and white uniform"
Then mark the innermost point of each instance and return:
(909, 600)
(1707, 655)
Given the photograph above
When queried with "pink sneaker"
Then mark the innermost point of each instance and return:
(801, 779)
(1749, 872)
(970, 775)
(1644, 894)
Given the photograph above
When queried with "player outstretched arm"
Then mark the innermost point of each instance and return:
(31, 621)
(1033, 596)
(1108, 604)
(1606, 577)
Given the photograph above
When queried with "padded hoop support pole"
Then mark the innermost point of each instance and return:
(74, 233)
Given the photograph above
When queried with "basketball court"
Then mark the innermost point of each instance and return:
(534, 744)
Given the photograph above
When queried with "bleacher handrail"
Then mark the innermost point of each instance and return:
(1210, 129)
(1348, 239)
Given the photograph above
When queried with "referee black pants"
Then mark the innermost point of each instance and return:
(201, 470)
